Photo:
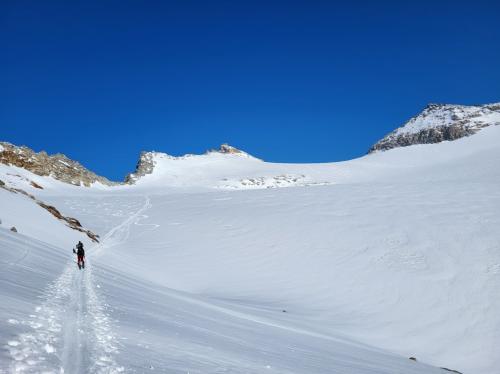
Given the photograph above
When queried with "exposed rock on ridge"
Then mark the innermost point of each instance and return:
(440, 122)
(227, 149)
(57, 166)
(144, 166)
(71, 222)
(66, 170)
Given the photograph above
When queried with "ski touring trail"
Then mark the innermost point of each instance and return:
(71, 332)
(120, 233)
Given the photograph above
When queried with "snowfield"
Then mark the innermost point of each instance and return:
(206, 265)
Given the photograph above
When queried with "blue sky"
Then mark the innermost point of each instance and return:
(288, 81)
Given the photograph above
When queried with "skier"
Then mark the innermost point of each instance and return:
(80, 253)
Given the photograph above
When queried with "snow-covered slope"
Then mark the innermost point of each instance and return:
(360, 266)
(102, 320)
(408, 258)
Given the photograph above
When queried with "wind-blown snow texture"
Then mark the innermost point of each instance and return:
(202, 269)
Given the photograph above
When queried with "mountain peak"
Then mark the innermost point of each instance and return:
(150, 161)
(434, 106)
(228, 149)
(441, 122)
(145, 165)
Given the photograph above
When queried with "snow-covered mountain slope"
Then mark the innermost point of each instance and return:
(102, 320)
(396, 254)
(440, 122)
(150, 162)
(28, 218)
(222, 171)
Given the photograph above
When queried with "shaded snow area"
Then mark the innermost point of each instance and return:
(354, 268)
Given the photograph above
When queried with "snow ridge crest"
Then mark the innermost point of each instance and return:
(148, 160)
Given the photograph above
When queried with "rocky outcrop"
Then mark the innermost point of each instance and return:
(144, 166)
(36, 185)
(227, 149)
(71, 222)
(441, 122)
(425, 136)
(57, 166)
(451, 370)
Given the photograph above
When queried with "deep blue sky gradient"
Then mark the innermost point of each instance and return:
(288, 81)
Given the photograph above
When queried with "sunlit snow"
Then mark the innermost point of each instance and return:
(208, 266)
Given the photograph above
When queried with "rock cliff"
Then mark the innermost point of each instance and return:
(441, 122)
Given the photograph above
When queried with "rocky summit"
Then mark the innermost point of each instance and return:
(227, 149)
(144, 166)
(441, 122)
(57, 166)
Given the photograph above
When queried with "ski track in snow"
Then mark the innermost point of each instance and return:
(121, 233)
(71, 331)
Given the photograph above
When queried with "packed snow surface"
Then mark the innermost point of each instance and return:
(207, 266)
